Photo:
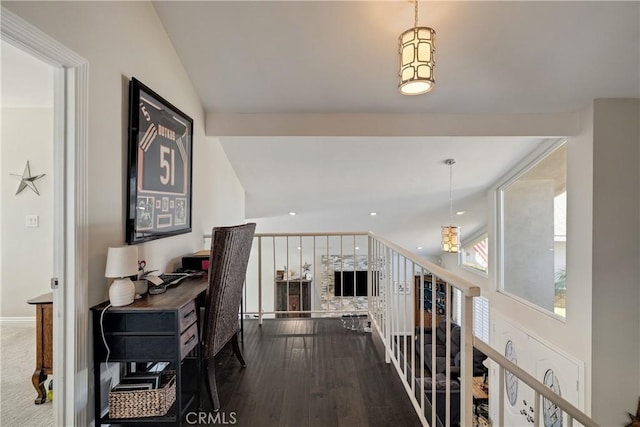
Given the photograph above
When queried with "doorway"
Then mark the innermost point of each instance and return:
(26, 207)
(69, 213)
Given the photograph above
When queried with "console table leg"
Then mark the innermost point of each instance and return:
(37, 379)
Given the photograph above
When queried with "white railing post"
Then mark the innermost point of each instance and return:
(387, 305)
(466, 362)
(500, 395)
(447, 394)
(260, 280)
(369, 276)
(422, 343)
(315, 276)
(434, 297)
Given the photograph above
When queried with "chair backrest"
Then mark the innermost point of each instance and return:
(230, 250)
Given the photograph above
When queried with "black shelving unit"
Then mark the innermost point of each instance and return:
(156, 328)
(427, 300)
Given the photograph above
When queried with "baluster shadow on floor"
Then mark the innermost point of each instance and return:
(310, 372)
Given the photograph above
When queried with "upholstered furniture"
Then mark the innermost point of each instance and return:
(441, 398)
(427, 349)
(230, 250)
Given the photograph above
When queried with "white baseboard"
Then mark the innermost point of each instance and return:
(18, 321)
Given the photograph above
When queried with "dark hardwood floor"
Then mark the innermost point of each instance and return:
(310, 372)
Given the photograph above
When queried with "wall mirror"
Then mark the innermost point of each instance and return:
(532, 224)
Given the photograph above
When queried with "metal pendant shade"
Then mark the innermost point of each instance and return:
(450, 233)
(416, 49)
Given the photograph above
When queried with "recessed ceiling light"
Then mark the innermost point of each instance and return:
(461, 212)
(357, 248)
(292, 213)
(299, 248)
(373, 213)
(419, 248)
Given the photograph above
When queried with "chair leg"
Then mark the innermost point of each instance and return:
(212, 389)
(237, 351)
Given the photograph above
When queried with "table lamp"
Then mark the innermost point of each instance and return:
(121, 263)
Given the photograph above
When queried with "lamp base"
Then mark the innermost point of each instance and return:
(121, 292)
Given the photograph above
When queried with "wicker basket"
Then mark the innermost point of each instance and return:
(144, 403)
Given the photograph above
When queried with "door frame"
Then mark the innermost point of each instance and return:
(70, 264)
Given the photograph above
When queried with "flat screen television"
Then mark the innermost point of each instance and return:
(345, 281)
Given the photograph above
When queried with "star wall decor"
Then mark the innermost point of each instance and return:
(28, 180)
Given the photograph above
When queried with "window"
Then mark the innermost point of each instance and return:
(457, 306)
(532, 224)
(480, 314)
(481, 318)
(475, 254)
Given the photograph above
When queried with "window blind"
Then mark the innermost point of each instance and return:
(481, 318)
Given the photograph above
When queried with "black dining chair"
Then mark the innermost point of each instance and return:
(230, 250)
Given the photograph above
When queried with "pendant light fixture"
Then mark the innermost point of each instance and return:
(416, 49)
(450, 233)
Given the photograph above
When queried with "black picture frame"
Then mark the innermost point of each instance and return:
(160, 158)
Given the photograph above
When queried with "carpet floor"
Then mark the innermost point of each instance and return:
(17, 363)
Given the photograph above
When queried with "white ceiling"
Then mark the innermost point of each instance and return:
(341, 57)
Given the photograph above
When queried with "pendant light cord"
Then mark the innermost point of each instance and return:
(416, 16)
(451, 194)
(450, 162)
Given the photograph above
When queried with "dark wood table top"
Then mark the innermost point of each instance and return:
(175, 297)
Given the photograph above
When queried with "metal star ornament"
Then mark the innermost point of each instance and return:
(28, 180)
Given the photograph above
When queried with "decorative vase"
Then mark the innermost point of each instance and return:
(141, 286)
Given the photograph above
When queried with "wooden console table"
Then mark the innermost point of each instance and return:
(44, 344)
(155, 328)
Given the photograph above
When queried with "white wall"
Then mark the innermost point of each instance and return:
(27, 134)
(573, 335)
(450, 262)
(602, 323)
(616, 274)
(27, 253)
(123, 40)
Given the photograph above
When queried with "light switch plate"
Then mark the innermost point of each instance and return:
(31, 221)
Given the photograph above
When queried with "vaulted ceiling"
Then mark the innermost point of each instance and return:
(339, 58)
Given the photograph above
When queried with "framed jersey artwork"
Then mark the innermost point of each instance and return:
(159, 167)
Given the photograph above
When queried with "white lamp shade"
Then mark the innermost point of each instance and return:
(122, 262)
(417, 51)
